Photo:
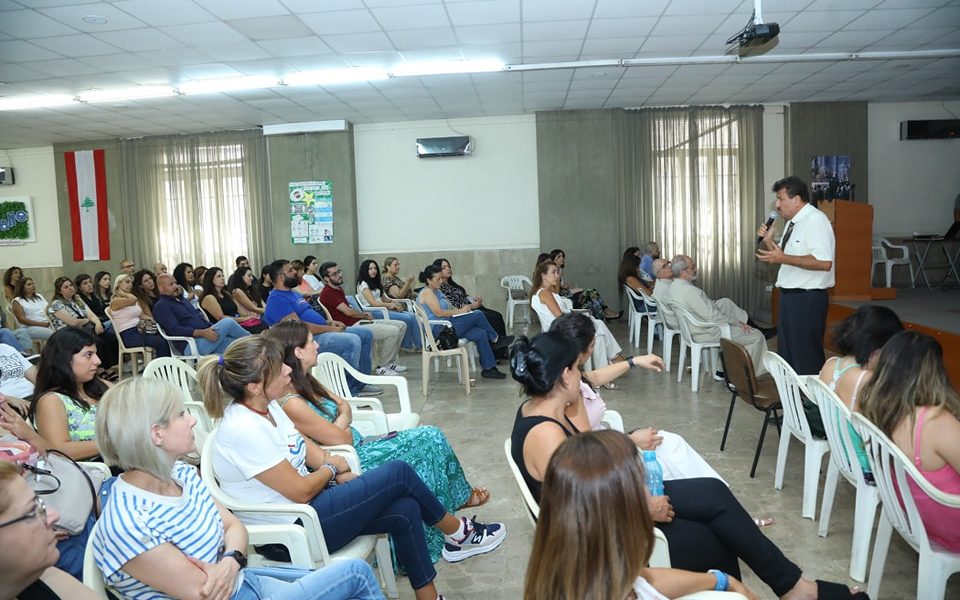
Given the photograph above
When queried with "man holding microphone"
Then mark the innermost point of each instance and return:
(806, 256)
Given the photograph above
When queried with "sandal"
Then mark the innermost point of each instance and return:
(828, 590)
(764, 522)
(478, 497)
(610, 386)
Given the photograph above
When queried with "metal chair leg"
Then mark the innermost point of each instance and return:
(726, 429)
(763, 433)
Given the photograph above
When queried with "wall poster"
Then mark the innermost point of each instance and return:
(311, 212)
(830, 178)
(16, 221)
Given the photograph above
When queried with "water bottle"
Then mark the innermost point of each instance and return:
(653, 473)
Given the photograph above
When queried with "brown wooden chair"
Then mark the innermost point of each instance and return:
(759, 392)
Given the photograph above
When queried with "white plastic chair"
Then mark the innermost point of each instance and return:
(518, 290)
(332, 371)
(843, 461)
(697, 349)
(791, 389)
(135, 354)
(311, 535)
(183, 377)
(193, 355)
(900, 512)
(359, 303)
(666, 314)
(635, 316)
(890, 261)
(432, 350)
(653, 320)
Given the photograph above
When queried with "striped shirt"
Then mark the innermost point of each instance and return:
(135, 521)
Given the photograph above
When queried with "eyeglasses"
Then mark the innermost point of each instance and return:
(39, 510)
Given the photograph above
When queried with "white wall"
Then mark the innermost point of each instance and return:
(774, 150)
(913, 183)
(36, 177)
(484, 201)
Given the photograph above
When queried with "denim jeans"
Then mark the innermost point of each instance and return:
(227, 330)
(389, 499)
(475, 327)
(342, 580)
(411, 339)
(349, 347)
(133, 338)
(7, 337)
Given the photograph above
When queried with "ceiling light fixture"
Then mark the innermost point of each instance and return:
(32, 102)
(447, 67)
(139, 92)
(228, 84)
(335, 76)
(94, 19)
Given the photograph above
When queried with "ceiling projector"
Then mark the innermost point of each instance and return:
(756, 34)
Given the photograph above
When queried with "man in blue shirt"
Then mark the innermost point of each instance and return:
(353, 344)
(178, 317)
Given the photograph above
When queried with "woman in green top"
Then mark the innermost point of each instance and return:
(325, 417)
(67, 392)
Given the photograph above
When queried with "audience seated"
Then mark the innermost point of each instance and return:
(159, 268)
(311, 274)
(264, 285)
(387, 333)
(180, 318)
(859, 338)
(241, 261)
(127, 266)
(588, 299)
(324, 417)
(242, 286)
(198, 272)
(705, 525)
(67, 310)
(651, 252)
(259, 456)
(354, 344)
(627, 276)
(370, 291)
(134, 327)
(145, 289)
(28, 545)
(10, 279)
(17, 375)
(162, 534)
(685, 295)
(303, 288)
(911, 400)
(466, 323)
(395, 286)
(85, 291)
(17, 338)
(546, 301)
(30, 310)
(184, 275)
(457, 295)
(218, 304)
(68, 392)
(594, 499)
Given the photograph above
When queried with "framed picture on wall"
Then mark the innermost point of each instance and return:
(16, 221)
(830, 178)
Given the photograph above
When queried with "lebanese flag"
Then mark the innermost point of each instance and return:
(87, 188)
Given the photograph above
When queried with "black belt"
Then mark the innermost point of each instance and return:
(800, 291)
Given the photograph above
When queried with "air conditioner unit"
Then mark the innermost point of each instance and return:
(6, 176)
(930, 129)
(459, 145)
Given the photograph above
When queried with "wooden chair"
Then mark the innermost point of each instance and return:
(892, 469)
(135, 354)
(432, 350)
(792, 389)
(760, 392)
(518, 295)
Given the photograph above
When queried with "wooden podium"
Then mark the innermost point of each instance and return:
(853, 228)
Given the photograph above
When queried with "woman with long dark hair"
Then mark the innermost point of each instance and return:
(457, 296)
(86, 292)
(589, 299)
(30, 309)
(184, 275)
(242, 287)
(145, 289)
(370, 293)
(68, 392)
(10, 279)
(218, 304)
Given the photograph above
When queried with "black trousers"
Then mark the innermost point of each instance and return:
(802, 323)
(711, 530)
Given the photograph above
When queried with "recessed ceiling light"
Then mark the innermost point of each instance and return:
(95, 19)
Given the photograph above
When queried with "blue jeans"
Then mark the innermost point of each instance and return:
(342, 580)
(475, 327)
(7, 337)
(227, 330)
(389, 499)
(133, 338)
(349, 347)
(411, 339)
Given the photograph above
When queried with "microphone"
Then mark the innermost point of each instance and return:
(770, 219)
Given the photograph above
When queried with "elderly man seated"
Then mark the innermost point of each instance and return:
(684, 294)
(179, 317)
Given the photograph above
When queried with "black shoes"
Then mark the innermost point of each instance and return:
(503, 341)
(492, 373)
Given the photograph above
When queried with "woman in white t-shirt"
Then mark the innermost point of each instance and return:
(30, 310)
(161, 533)
(261, 457)
(594, 497)
(370, 293)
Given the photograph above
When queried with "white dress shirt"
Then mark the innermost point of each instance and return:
(812, 235)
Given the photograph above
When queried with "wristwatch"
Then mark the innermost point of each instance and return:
(238, 556)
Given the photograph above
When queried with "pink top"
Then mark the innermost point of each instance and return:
(943, 523)
(127, 317)
(594, 405)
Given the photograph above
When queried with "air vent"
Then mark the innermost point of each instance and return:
(930, 129)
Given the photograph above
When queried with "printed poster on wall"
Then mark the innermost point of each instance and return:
(311, 212)
(16, 221)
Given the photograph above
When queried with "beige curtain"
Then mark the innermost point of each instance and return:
(690, 179)
(198, 198)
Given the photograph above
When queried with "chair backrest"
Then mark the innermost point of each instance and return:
(533, 508)
(427, 340)
(891, 471)
(683, 321)
(517, 283)
(738, 368)
(670, 319)
(613, 419)
(634, 300)
(331, 371)
(836, 423)
(92, 576)
(878, 254)
(176, 372)
(191, 345)
(899, 252)
(647, 299)
(354, 302)
(791, 389)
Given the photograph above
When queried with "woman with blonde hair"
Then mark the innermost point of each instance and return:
(594, 500)
(910, 399)
(261, 457)
(161, 533)
(134, 327)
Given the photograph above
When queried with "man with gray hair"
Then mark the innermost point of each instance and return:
(685, 295)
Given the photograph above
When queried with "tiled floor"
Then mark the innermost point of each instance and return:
(478, 424)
